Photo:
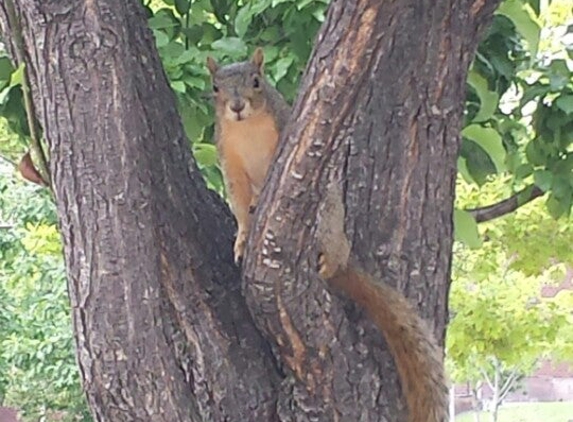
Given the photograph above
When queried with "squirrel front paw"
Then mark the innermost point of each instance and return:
(334, 248)
(239, 248)
(326, 267)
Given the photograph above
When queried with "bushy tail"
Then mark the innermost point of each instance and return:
(418, 358)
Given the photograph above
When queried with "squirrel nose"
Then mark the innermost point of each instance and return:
(237, 106)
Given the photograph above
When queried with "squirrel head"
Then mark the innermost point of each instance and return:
(238, 88)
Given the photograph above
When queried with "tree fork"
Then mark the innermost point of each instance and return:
(379, 111)
(162, 331)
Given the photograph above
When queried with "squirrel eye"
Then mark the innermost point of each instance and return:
(215, 88)
(256, 82)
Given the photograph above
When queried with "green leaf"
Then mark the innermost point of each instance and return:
(282, 66)
(178, 86)
(478, 162)
(6, 69)
(488, 99)
(161, 22)
(561, 187)
(535, 154)
(193, 34)
(186, 56)
(260, 6)
(558, 207)
(214, 179)
(543, 179)
(463, 170)
(17, 76)
(195, 82)
(161, 38)
(465, 229)
(490, 140)
(232, 46)
(172, 53)
(205, 154)
(559, 74)
(303, 3)
(523, 171)
(182, 6)
(195, 120)
(565, 103)
(523, 18)
(243, 20)
(532, 91)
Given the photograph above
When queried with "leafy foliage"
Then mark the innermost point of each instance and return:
(500, 326)
(518, 110)
(39, 373)
(186, 32)
(519, 118)
(498, 312)
(532, 238)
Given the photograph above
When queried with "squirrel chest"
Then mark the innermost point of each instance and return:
(251, 142)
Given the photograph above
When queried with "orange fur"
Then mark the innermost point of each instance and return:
(246, 149)
(250, 115)
(417, 356)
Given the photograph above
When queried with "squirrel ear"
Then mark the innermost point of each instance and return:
(258, 58)
(212, 65)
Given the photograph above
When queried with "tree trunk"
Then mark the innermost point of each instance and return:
(163, 332)
(495, 401)
(452, 403)
(379, 112)
(478, 406)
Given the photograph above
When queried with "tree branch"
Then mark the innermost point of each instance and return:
(506, 388)
(507, 205)
(35, 144)
(487, 379)
(8, 161)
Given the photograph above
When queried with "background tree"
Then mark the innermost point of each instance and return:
(500, 326)
(175, 284)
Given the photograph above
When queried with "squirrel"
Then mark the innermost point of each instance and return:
(250, 116)
(415, 351)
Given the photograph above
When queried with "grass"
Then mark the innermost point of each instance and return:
(526, 412)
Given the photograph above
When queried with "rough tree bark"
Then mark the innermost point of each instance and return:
(163, 331)
(379, 111)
